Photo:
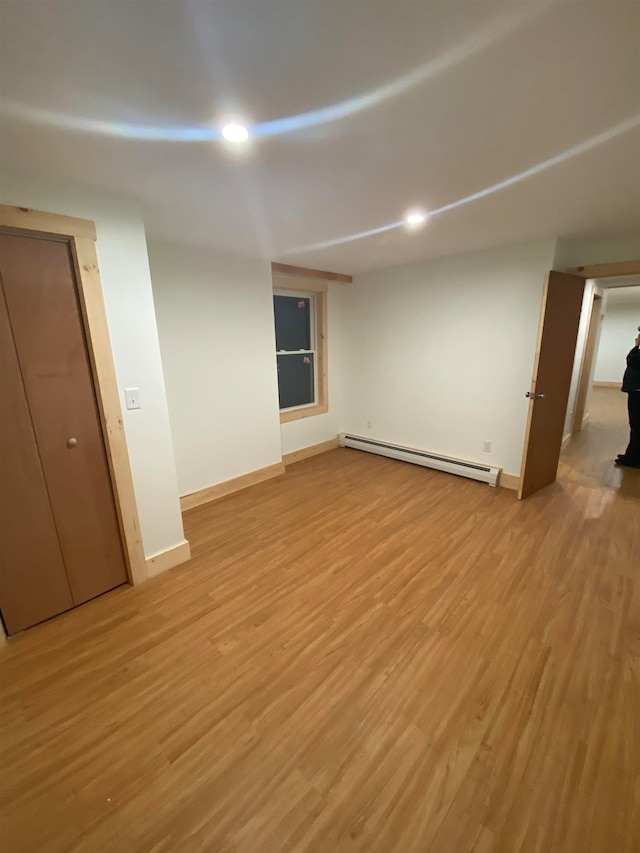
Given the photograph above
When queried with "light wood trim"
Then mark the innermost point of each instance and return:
(99, 346)
(509, 481)
(617, 385)
(320, 290)
(306, 272)
(312, 450)
(81, 235)
(302, 284)
(607, 270)
(289, 415)
(322, 350)
(588, 354)
(165, 560)
(220, 490)
(26, 220)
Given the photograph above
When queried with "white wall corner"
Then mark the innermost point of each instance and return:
(215, 321)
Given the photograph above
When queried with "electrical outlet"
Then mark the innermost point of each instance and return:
(486, 446)
(368, 424)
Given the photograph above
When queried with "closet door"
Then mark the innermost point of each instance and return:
(45, 316)
(33, 580)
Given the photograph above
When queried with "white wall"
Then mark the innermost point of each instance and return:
(124, 271)
(215, 320)
(440, 353)
(320, 428)
(619, 329)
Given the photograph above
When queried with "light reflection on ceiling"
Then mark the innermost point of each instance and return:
(581, 148)
(478, 41)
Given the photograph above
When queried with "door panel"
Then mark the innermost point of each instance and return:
(562, 304)
(33, 581)
(45, 315)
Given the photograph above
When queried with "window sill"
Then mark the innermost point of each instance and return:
(297, 414)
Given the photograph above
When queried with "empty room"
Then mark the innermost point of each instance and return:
(320, 426)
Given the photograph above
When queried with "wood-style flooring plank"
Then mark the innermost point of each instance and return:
(361, 655)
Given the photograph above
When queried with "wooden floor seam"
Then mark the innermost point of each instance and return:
(361, 655)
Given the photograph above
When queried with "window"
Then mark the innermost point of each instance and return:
(295, 348)
(300, 309)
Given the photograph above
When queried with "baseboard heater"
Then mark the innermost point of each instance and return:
(471, 470)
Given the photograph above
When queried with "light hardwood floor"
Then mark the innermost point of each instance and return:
(362, 655)
(589, 454)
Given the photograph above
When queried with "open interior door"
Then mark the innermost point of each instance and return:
(549, 394)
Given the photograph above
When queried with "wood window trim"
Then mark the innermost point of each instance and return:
(320, 290)
(307, 272)
(80, 234)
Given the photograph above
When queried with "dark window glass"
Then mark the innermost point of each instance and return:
(295, 380)
(293, 322)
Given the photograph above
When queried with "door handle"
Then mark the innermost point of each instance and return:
(533, 396)
(71, 442)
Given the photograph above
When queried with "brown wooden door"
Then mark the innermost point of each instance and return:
(33, 580)
(561, 307)
(45, 318)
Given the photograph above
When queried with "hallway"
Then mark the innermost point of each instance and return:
(588, 457)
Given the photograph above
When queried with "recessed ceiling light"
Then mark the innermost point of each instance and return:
(235, 132)
(415, 217)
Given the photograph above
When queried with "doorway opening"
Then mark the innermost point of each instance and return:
(596, 428)
(563, 303)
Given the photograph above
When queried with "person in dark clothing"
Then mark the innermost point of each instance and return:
(631, 386)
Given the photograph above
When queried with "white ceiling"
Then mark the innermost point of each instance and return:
(447, 99)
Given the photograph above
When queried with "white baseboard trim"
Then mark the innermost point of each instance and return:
(565, 441)
(617, 385)
(165, 560)
(220, 490)
(312, 450)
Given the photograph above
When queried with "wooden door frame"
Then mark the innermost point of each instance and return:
(607, 270)
(611, 270)
(80, 236)
(588, 355)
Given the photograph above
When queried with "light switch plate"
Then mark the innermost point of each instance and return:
(132, 398)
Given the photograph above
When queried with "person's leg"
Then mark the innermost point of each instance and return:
(632, 453)
(631, 456)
